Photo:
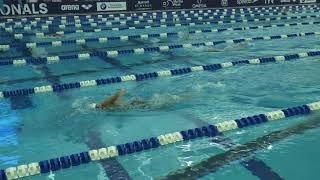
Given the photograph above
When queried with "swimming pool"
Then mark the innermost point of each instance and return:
(256, 66)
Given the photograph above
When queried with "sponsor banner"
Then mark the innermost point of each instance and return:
(138, 5)
(23, 9)
(307, 1)
(200, 4)
(289, 1)
(75, 7)
(111, 6)
(236, 3)
(46, 7)
(224, 3)
(247, 2)
(171, 4)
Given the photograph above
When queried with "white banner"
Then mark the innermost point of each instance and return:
(308, 1)
(111, 6)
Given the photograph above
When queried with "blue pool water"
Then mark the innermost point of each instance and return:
(49, 125)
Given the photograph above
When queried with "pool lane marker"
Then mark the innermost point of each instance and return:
(196, 21)
(103, 40)
(256, 166)
(41, 35)
(152, 75)
(165, 19)
(243, 151)
(133, 20)
(76, 159)
(115, 53)
(142, 15)
(111, 166)
(174, 19)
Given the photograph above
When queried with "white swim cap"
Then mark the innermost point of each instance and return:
(93, 105)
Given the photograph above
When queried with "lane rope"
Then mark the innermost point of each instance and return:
(150, 20)
(152, 75)
(76, 159)
(106, 39)
(150, 24)
(137, 51)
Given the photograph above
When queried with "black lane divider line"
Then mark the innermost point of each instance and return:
(256, 166)
(8, 82)
(94, 138)
(113, 61)
(44, 69)
(239, 152)
(24, 101)
(110, 61)
(113, 169)
(169, 54)
(260, 169)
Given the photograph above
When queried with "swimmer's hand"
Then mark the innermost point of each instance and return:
(122, 92)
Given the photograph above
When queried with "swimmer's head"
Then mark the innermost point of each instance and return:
(94, 106)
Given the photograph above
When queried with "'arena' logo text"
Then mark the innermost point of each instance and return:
(70, 7)
(244, 2)
(23, 9)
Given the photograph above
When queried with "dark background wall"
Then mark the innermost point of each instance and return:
(44, 7)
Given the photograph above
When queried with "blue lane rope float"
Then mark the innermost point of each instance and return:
(152, 75)
(129, 16)
(115, 53)
(164, 19)
(106, 26)
(140, 18)
(117, 16)
(244, 153)
(147, 36)
(42, 34)
(95, 29)
(23, 20)
(150, 23)
(76, 159)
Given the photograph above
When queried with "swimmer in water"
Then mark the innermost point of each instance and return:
(55, 35)
(115, 101)
(212, 49)
(238, 46)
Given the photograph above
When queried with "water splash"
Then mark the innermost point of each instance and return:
(51, 176)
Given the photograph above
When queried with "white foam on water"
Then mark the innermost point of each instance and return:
(239, 46)
(82, 106)
(207, 85)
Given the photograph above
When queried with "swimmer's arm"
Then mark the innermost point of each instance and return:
(113, 99)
